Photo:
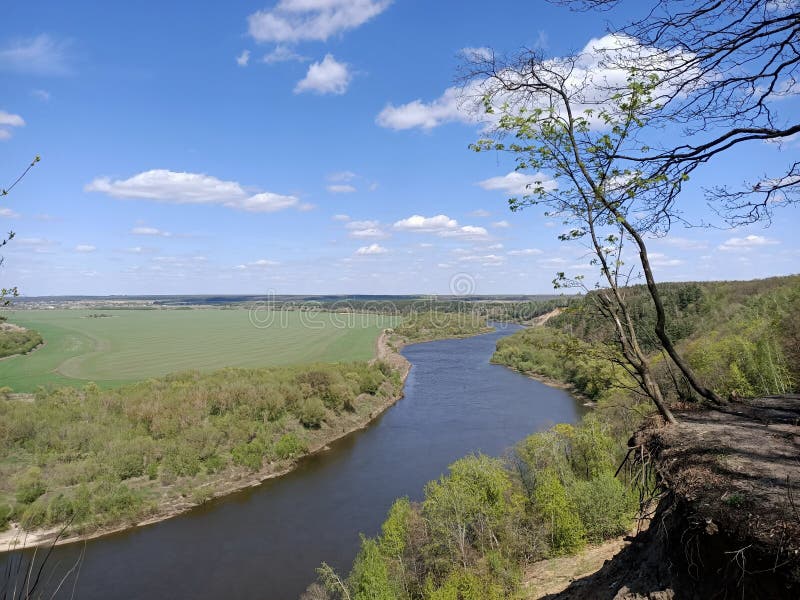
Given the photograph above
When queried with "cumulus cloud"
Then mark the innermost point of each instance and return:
(141, 230)
(441, 225)
(243, 58)
(341, 188)
(326, 77)
(418, 223)
(587, 80)
(261, 264)
(8, 213)
(366, 229)
(519, 184)
(162, 185)
(746, 243)
(342, 176)
(292, 21)
(658, 259)
(83, 248)
(39, 55)
(525, 252)
(8, 120)
(422, 115)
(371, 250)
(282, 54)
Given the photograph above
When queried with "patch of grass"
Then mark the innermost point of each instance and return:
(130, 345)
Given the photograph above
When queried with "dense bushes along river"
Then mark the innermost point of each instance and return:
(104, 458)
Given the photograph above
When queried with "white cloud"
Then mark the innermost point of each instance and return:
(371, 250)
(662, 260)
(8, 213)
(85, 248)
(326, 77)
(487, 260)
(162, 185)
(9, 120)
(467, 232)
(419, 223)
(441, 225)
(261, 264)
(243, 58)
(746, 243)
(301, 20)
(366, 229)
(587, 81)
(518, 184)
(43, 95)
(150, 231)
(445, 109)
(341, 188)
(282, 54)
(501, 224)
(341, 217)
(342, 176)
(684, 243)
(525, 252)
(40, 55)
(480, 213)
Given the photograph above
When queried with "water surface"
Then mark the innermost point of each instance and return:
(267, 541)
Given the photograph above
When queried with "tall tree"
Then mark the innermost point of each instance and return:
(567, 131)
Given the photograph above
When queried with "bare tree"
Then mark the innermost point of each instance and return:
(732, 64)
(11, 292)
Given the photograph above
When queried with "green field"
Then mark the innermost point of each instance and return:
(130, 345)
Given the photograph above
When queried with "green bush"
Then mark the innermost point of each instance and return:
(30, 487)
(559, 513)
(311, 413)
(605, 506)
(289, 446)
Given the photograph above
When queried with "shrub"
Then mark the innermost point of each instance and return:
(311, 413)
(30, 486)
(560, 516)
(605, 506)
(290, 446)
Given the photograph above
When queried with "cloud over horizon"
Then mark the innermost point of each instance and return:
(162, 185)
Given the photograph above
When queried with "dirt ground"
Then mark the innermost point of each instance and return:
(727, 523)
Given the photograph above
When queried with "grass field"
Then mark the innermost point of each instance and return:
(130, 345)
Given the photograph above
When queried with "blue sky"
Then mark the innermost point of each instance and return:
(295, 146)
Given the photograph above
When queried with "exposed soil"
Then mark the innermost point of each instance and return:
(728, 522)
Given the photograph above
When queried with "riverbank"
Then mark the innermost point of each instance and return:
(234, 479)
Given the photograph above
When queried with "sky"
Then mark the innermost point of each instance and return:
(298, 147)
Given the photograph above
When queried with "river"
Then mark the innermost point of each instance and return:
(266, 542)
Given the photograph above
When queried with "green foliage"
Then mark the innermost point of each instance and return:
(369, 579)
(289, 446)
(30, 486)
(605, 506)
(108, 456)
(431, 325)
(565, 529)
(17, 341)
